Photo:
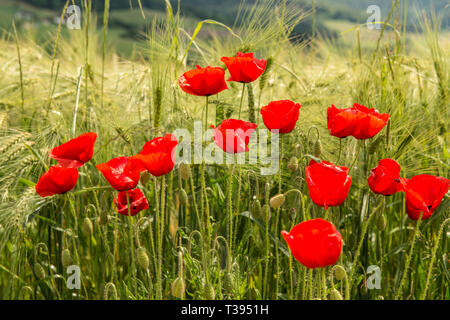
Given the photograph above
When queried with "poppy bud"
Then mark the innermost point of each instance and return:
(208, 291)
(142, 258)
(185, 170)
(277, 201)
(87, 227)
(228, 282)
(381, 222)
(39, 271)
(256, 209)
(335, 295)
(145, 177)
(178, 288)
(293, 164)
(317, 148)
(66, 258)
(339, 272)
(183, 197)
(108, 288)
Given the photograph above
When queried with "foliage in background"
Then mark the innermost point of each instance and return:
(57, 91)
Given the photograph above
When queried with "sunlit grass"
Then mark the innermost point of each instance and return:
(408, 79)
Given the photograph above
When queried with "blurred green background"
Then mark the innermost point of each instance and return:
(327, 18)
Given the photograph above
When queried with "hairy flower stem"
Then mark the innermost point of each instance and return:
(347, 289)
(206, 113)
(205, 204)
(408, 258)
(311, 284)
(324, 283)
(267, 242)
(230, 208)
(340, 150)
(161, 235)
(356, 156)
(361, 241)
(277, 217)
(75, 217)
(238, 200)
(291, 289)
(242, 99)
(194, 200)
(251, 104)
(433, 256)
(157, 233)
(130, 225)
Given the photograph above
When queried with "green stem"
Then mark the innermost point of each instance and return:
(324, 284)
(408, 258)
(130, 224)
(242, 98)
(433, 255)
(361, 241)
(356, 157)
(230, 208)
(161, 235)
(277, 217)
(340, 150)
(291, 292)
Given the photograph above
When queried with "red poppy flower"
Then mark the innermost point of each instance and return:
(158, 155)
(358, 121)
(281, 115)
(424, 194)
(138, 202)
(328, 184)
(233, 135)
(76, 152)
(385, 178)
(243, 67)
(57, 180)
(122, 173)
(203, 81)
(314, 243)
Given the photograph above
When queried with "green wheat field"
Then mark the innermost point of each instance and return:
(180, 248)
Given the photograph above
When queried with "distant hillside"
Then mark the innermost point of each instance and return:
(127, 24)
